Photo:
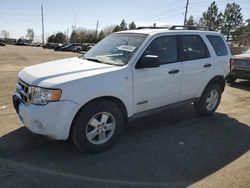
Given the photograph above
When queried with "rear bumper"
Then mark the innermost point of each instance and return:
(243, 73)
(52, 120)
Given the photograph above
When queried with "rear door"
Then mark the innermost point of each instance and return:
(198, 65)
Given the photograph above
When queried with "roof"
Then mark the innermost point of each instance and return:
(157, 31)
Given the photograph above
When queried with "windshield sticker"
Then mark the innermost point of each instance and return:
(126, 48)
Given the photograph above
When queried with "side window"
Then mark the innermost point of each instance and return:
(165, 48)
(193, 47)
(218, 44)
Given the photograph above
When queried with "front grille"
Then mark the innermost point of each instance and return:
(23, 90)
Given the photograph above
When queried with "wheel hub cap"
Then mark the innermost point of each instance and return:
(212, 100)
(100, 128)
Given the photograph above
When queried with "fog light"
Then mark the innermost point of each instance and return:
(38, 125)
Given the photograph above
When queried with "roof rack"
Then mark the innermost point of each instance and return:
(152, 27)
(188, 27)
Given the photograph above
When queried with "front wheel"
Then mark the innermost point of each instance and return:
(209, 100)
(97, 126)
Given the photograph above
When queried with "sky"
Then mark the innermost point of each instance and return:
(60, 15)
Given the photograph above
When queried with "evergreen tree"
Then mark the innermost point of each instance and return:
(232, 19)
(132, 25)
(211, 18)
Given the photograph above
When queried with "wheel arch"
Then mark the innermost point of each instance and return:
(115, 100)
(219, 79)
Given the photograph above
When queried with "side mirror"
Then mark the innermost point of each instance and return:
(148, 61)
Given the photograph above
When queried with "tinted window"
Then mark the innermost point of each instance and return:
(218, 44)
(165, 48)
(193, 48)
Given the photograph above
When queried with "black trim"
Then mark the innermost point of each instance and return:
(162, 108)
(142, 102)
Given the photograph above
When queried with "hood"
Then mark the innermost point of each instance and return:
(242, 56)
(56, 72)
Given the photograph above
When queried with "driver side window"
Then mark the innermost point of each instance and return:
(165, 48)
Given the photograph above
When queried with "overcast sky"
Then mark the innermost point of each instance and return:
(18, 15)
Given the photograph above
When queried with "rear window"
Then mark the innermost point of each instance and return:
(218, 44)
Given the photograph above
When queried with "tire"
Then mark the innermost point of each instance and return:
(209, 101)
(231, 79)
(97, 126)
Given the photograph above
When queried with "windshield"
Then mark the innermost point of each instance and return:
(116, 49)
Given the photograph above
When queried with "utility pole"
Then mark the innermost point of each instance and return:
(185, 17)
(75, 22)
(97, 25)
(42, 24)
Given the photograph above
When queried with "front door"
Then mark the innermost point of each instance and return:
(156, 87)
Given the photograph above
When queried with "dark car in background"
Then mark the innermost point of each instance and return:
(48, 46)
(239, 67)
(2, 44)
(70, 47)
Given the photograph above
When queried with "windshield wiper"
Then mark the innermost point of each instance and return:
(94, 59)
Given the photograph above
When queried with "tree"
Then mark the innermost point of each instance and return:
(242, 35)
(51, 39)
(132, 25)
(108, 30)
(74, 36)
(123, 25)
(100, 36)
(211, 18)
(232, 19)
(5, 34)
(30, 34)
(117, 28)
(190, 21)
(59, 37)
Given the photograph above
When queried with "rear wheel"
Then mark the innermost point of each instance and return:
(97, 126)
(209, 100)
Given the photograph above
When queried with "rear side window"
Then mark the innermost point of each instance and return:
(193, 47)
(218, 44)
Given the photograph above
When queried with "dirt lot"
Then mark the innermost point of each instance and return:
(175, 148)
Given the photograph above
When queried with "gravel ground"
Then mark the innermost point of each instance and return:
(175, 148)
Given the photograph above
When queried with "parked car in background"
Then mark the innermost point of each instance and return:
(239, 67)
(2, 44)
(70, 47)
(48, 46)
(57, 47)
(77, 48)
(23, 42)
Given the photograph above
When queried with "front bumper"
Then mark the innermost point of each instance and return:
(52, 120)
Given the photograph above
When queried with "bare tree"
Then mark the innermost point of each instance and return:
(30, 34)
(5, 34)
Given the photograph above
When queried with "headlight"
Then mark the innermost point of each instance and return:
(42, 96)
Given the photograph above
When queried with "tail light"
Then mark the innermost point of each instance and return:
(232, 64)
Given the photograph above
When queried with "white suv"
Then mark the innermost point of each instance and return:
(126, 75)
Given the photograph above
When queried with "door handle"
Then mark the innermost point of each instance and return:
(207, 65)
(174, 71)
